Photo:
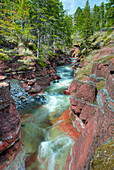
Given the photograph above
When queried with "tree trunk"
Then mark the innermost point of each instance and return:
(38, 44)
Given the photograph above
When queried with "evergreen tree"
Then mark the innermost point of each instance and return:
(109, 15)
(77, 21)
(42, 22)
(102, 15)
(68, 30)
(96, 18)
(86, 22)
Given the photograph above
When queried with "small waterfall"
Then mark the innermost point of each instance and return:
(51, 152)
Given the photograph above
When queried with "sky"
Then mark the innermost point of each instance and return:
(71, 5)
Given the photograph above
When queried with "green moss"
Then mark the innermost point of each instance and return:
(8, 70)
(32, 47)
(22, 68)
(103, 158)
(107, 40)
(105, 59)
(42, 64)
(100, 85)
(107, 35)
(4, 56)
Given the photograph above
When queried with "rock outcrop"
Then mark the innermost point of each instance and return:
(10, 126)
(92, 100)
(32, 72)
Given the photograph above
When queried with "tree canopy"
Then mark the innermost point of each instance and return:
(41, 22)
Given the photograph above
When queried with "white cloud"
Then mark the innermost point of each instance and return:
(71, 5)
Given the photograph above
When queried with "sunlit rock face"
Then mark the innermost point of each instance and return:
(9, 117)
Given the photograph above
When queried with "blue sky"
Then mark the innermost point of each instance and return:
(71, 5)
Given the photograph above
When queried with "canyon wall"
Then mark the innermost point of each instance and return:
(92, 97)
(35, 75)
(10, 126)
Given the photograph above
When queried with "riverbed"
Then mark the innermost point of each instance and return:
(46, 147)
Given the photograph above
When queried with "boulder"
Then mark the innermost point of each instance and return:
(66, 92)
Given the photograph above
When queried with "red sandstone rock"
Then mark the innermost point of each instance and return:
(98, 119)
(35, 71)
(66, 92)
(9, 118)
(101, 70)
(80, 150)
(110, 85)
(25, 86)
(6, 158)
(87, 112)
(83, 91)
(9, 125)
(35, 89)
(98, 130)
(87, 92)
(31, 82)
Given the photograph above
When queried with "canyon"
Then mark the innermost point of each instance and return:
(90, 117)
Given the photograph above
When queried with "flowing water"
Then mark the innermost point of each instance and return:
(39, 135)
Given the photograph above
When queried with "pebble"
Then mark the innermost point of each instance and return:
(23, 98)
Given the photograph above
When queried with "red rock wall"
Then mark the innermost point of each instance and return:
(34, 77)
(9, 118)
(95, 110)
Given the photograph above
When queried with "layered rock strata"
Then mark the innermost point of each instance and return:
(10, 126)
(92, 104)
(32, 72)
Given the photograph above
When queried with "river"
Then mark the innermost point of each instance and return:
(46, 147)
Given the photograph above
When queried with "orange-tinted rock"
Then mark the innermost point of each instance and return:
(30, 159)
(66, 92)
(66, 126)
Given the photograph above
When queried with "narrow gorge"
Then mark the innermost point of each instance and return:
(54, 128)
(56, 85)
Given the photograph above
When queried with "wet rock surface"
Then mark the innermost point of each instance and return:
(22, 98)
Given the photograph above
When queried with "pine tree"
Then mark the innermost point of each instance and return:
(41, 22)
(96, 17)
(102, 15)
(68, 30)
(86, 21)
(77, 20)
(109, 15)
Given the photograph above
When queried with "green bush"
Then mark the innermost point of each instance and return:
(4, 56)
